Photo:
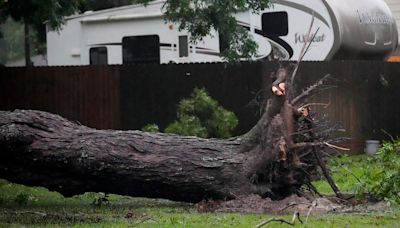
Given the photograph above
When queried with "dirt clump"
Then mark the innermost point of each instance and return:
(256, 204)
(303, 205)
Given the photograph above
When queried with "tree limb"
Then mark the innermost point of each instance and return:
(310, 89)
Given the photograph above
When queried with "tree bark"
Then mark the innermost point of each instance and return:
(42, 149)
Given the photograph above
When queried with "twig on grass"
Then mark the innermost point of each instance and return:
(292, 204)
(144, 220)
(24, 212)
(296, 214)
(313, 205)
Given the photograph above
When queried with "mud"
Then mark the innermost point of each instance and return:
(303, 205)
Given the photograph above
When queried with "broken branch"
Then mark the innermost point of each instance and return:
(303, 51)
(327, 175)
(313, 144)
(316, 104)
(296, 214)
(310, 89)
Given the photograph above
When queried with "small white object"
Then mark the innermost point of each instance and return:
(371, 147)
(75, 52)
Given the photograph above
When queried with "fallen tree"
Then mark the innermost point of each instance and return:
(275, 158)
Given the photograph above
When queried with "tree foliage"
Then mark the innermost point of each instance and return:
(151, 128)
(102, 4)
(199, 17)
(35, 12)
(381, 176)
(201, 116)
(12, 42)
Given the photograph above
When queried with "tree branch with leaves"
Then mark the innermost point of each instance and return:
(200, 17)
(34, 14)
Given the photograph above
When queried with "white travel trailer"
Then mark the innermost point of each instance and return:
(347, 29)
(394, 6)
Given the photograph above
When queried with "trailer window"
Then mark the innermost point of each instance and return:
(98, 55)
(275, 24)
(141, 49)
(183, 46)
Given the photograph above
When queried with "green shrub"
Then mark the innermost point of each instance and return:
(202, 116)
(187, 125)
(2, 200)
(100, 199)
(22, 199)
(151, 128)
(382, 179)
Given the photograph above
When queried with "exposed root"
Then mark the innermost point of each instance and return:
(292, 140)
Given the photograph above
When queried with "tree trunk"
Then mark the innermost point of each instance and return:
(27, 46)
(43, 149)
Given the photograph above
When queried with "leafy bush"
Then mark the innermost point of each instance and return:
(201, 116)
(383, 181)
(22, 199)
(151, 128)
(101, 199)
(187, 125)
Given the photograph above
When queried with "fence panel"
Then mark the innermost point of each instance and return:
(86, 94)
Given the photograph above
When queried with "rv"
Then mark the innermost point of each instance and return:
(394, 6)
(341, 29)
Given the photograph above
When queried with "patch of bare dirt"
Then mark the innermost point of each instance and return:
(319, 205)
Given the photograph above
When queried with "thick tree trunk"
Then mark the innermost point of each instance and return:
(27, 46)
(42, 149)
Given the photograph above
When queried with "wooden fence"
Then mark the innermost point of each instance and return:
(86, 94)
(364, 99)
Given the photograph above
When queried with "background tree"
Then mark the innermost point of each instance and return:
(34, 13)
(102, 4)
(12, 41)
(199, 17)
(12, 21)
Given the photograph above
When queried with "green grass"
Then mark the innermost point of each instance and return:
(345, 171)
(22, 206)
